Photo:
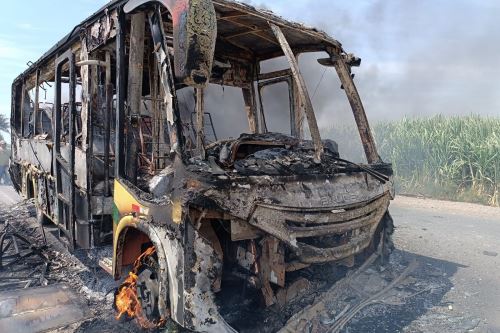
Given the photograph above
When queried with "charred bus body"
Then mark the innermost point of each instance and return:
(112, 159)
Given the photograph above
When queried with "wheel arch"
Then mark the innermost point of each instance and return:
(167, 261)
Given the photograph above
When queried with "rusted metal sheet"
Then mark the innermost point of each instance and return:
(272, 261)
(40, 309)
(240, 230)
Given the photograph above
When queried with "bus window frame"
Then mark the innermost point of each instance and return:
(261, 85)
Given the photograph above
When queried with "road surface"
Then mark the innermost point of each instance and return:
(464, 240)
(8, 196)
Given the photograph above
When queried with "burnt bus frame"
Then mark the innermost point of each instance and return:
(65, 216)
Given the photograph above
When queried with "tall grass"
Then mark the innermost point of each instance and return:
(455, 158)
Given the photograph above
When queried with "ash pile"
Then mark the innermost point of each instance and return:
(24, 259)
(33, 258)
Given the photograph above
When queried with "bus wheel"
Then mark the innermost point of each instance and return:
(381, 243)
(139, 294)
(148, 288)
(385, 242)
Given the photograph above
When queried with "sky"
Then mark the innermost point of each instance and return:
(419, 57)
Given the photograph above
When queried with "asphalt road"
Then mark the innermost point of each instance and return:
(464, 240)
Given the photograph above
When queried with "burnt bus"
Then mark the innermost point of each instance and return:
(105, 144)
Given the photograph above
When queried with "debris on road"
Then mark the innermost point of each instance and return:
(23, 254)
(53, 265)
(40, 309)
(15, 249)
(490, 253)
(358, 290)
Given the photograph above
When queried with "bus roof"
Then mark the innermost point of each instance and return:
(241, 28)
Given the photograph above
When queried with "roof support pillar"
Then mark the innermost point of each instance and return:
(358, 110)
(200, 123)
(302, 91)
(250, 107)
(135, 76)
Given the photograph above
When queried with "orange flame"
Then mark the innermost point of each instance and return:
(127, 301)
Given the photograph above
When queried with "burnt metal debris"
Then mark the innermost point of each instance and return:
(38, 297)
(118, 158)
(22, 263)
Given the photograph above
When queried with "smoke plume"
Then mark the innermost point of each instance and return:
(419, 57)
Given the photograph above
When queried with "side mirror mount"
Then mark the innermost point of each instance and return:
(194, 33)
